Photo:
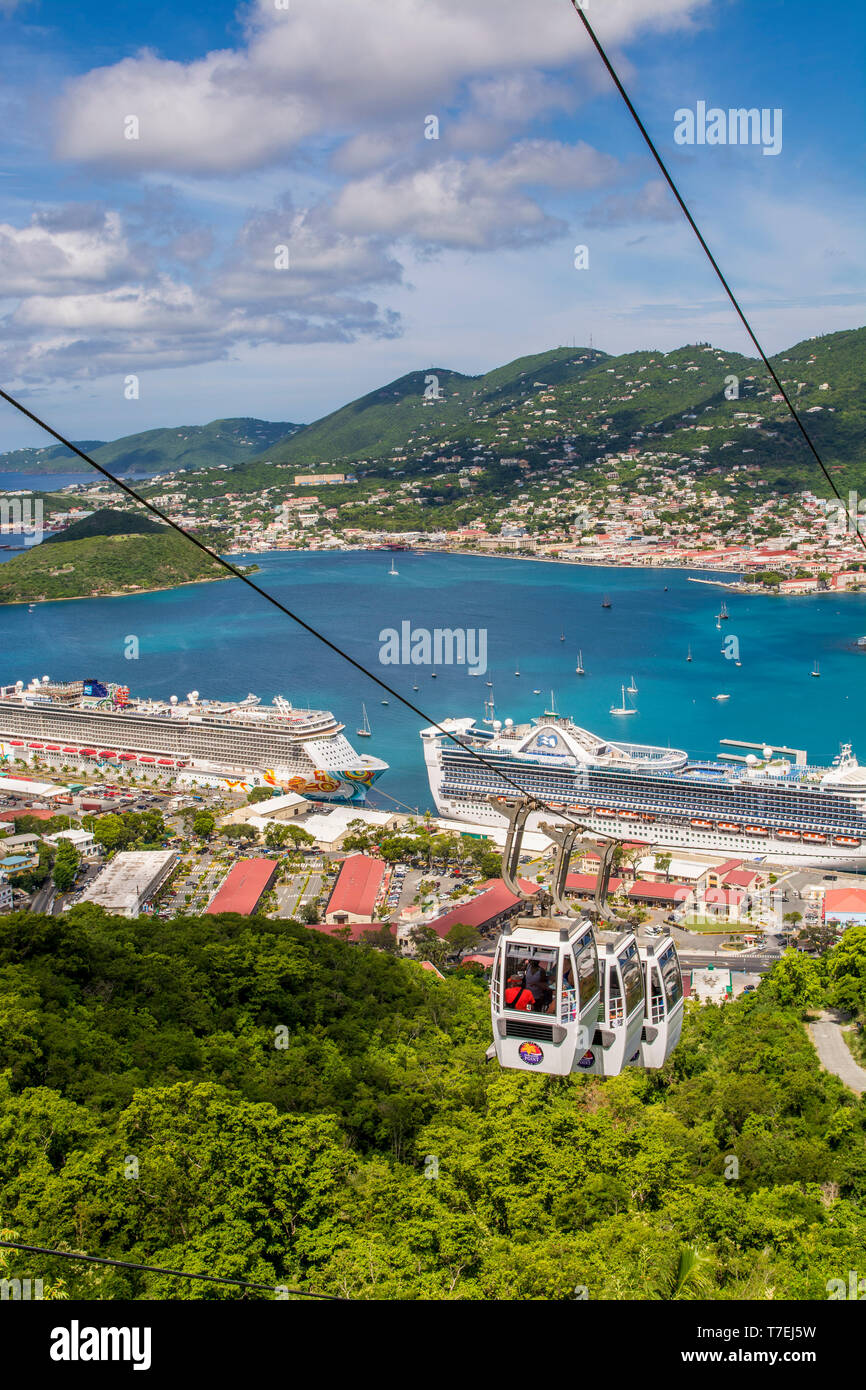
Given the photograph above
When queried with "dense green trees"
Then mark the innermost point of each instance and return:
(250, 1098)
(66, 861)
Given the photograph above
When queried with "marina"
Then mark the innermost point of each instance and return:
(225, 641)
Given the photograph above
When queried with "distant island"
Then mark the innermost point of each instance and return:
(100, 564)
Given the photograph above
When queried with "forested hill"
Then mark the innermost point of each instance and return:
(107, 521)
(671, 403)
(105, 565)
(183, 446)
(255, 1099)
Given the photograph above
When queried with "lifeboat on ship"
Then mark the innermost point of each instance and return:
(71, 750)
(729, 825)
(17, 742)
(852, 840)
(53, 748)
(604, 811)
(581, 810)
(788, 834)
(647, 817)
(630, 815)
(814, 837)
(699, 824)
(757, 830)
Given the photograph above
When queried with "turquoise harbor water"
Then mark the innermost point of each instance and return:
(224, 641)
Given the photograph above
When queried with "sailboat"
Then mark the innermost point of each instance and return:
(364, 731)
(393, 571)
(632, 689)
(689, 657)
(623, 708)
(578, 670)
(606, 603)
(562, 637)
(815, 670)
(517, 669)
(723, 611)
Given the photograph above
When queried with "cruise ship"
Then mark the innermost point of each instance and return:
(94, 726)
(774, 807)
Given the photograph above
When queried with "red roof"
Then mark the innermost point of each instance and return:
(727, 866)
(357, 886)
(492, 901)
(20, 811)
(674, 892)
(726, 897)
(352, 930)
(844, 900)
(741, 878)
(585, 883)
(243, 886)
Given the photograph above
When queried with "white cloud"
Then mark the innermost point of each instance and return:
(63, 253)
(323, 67)
(475, 204)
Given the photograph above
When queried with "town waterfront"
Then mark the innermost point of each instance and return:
(224, 641)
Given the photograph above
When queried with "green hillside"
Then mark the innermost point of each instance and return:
(100, 565)
(186, 446)
(308, 1113)
(671, 403)
(108, 521)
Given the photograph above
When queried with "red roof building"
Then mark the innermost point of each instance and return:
(492, 906)
(583, 885)
(663, 893)
(356, 891)
(350, 931)
(243, 887)
(845, 905)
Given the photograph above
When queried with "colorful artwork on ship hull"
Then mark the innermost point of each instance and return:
(343, 786)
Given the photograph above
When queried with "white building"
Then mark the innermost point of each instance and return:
(330, 828)
(83, 840)
(131, 881)
(263, 813)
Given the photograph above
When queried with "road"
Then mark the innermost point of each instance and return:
(43, 898)
(753, 962)
(834, 1053)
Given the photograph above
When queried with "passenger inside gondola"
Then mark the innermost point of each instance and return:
(517, 996)
(530, 975)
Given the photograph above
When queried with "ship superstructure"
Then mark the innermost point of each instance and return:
(89, 724)
(771, 806)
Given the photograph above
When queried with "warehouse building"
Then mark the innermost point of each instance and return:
(356, 891)
(128, 885)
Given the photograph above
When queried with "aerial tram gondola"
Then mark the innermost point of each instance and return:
(567, 994)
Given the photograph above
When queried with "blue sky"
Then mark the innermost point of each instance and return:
(304, 127)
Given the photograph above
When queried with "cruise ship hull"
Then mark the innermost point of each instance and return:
(708, 808)
(235, 746)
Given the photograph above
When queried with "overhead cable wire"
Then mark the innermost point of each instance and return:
(708, 253)
(245, 578)
(159, 1269)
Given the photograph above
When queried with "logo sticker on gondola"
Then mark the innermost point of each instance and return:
(587, 1059)
(530, 1053)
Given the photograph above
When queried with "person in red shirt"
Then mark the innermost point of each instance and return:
(517, 996)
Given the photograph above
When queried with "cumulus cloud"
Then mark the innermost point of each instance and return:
(89, 303)
(473, 204)
(325, 67)
(63, 253)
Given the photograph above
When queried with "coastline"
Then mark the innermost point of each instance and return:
(120, 593)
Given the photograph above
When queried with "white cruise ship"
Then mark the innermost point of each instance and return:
(775, 807)
(88, 725)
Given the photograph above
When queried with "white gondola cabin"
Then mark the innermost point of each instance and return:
(616, 1041)
(665, 1002)
(544, 997)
